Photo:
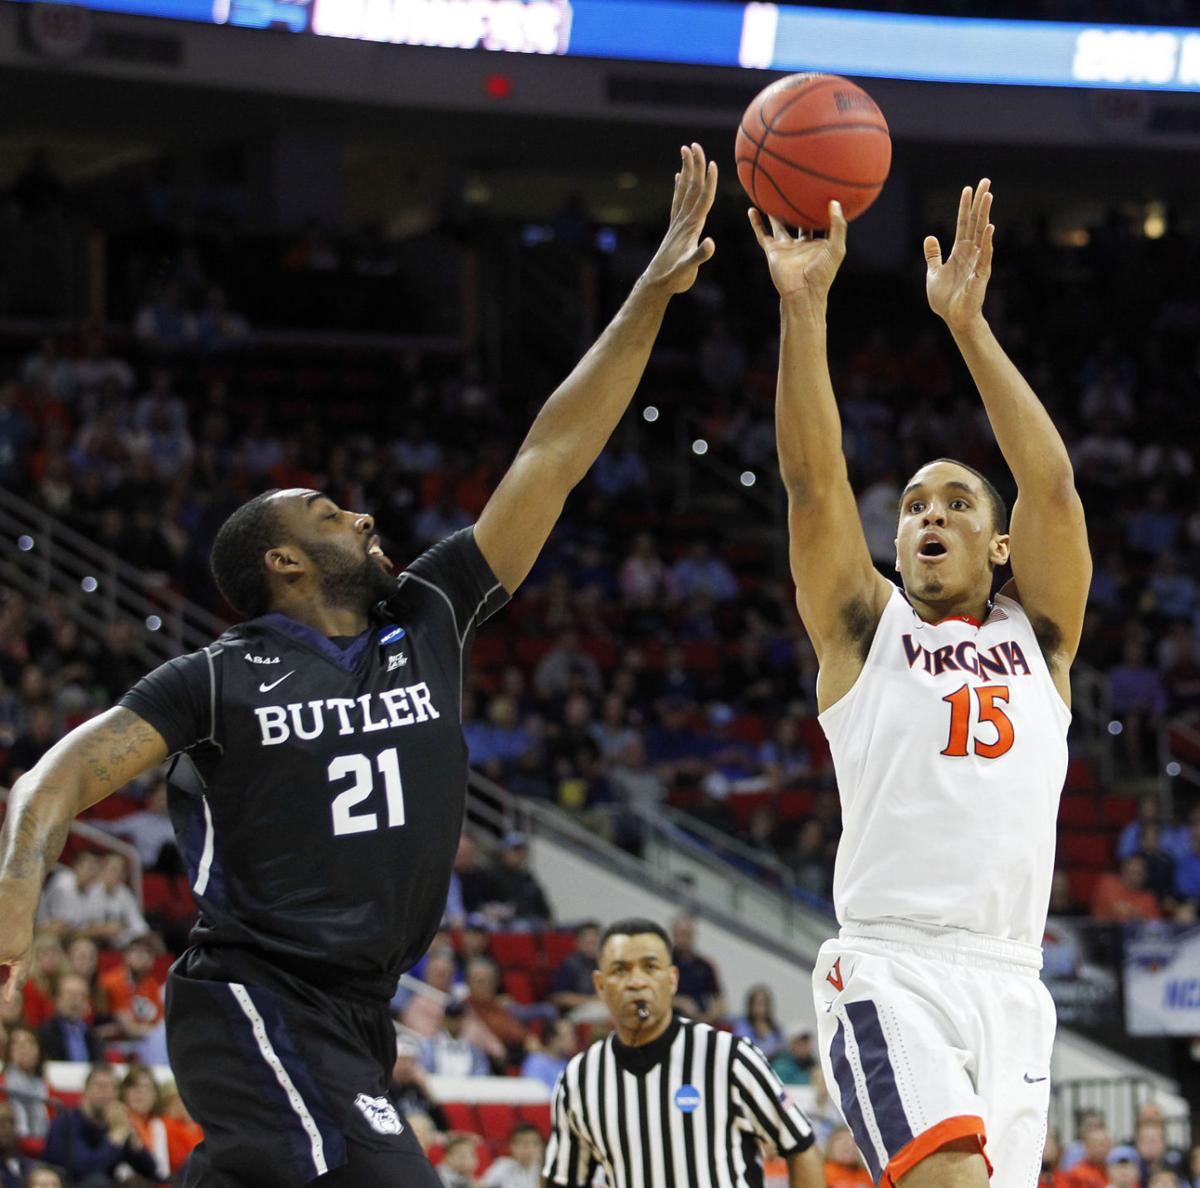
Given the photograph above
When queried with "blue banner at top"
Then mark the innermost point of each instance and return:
(759, 36)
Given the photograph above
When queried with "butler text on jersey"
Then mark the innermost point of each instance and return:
(351, 715)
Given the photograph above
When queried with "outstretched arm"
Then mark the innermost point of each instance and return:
(1051, 562)
(94, 760)
(839, 593)
(574, 424)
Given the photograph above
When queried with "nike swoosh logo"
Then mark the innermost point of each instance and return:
(1033, 1080)
(265, 688)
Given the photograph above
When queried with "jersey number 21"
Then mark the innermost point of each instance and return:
(360, 770)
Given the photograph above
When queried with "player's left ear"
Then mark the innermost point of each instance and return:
(285, 562)
(896, 543)
(674, 975)
(998, 549)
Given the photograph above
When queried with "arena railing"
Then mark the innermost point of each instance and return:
(672, 863)
(42, 556)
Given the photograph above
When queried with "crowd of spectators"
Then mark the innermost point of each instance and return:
(654, 656)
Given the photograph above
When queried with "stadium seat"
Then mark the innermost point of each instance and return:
(496, 1120)
(490, 650)
(557, 947)
(1087, 848)
(514, 949)
(1081, 775)
(538, 1115)
(1118, 810)
(1083, 883)
(518, 984)
(461, 1116)
(794, 804)
(1078, 809)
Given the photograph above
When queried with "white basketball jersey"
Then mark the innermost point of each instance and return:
(950, 752)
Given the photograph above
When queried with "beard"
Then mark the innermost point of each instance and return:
(349, 585)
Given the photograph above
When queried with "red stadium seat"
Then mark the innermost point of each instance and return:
(532, 648)
(1081, 775)
(519, 984)
(748, 728)
(517, 949)
(538, 1115)
(794, 804)
(745, 804)
(1087, 848)
(491, 650)
(1083, 883)
(557, 946)
(497, 1120)
(461, 1116)
(1078, 809)
(157, 895)
(1118, 810)
(702, 655)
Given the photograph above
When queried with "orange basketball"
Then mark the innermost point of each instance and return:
(808, 138)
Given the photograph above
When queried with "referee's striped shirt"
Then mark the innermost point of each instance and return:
(686, 1110)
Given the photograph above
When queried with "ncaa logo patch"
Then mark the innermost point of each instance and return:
(391, 634)
(380, 1114)
(687, 1098)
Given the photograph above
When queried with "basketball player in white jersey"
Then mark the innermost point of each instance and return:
(947, 715)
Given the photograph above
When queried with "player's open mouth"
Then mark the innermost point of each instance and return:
(379, 555)
(930, 548)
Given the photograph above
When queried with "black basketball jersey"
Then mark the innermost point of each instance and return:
(319, 795)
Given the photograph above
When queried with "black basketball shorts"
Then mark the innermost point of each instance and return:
(288, 1083)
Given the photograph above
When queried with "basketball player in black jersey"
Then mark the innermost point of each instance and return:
(320, 774)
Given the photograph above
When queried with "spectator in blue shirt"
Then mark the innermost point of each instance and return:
(560, 1044)
(92, 1140)
(1187, 868)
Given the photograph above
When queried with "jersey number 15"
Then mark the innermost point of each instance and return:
(989, 714)
(359, 769)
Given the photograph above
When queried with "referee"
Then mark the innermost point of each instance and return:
(665, 1102)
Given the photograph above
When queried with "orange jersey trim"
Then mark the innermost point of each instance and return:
(932, 1140)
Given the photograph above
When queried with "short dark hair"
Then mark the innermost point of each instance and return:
(237, 555)
(523, 1128)
(637, 926)
(999, 507)
(98, 1069)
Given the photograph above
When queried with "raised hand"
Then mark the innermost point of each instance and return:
(681, 252)
(802, 266)
(957, 286)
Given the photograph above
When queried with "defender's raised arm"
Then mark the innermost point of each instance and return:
(578, 419)
(839, 593)
(1051, 563)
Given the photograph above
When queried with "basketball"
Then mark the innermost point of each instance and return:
(809, 138)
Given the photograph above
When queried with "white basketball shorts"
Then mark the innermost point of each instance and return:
(931, 1035)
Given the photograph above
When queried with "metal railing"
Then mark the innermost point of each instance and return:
(39, 556)
(672, 863)
(1091, 711)
(1117, 1099)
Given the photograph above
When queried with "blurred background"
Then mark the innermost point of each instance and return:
(354, 244)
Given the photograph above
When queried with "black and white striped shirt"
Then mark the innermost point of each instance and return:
(689, 1108)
